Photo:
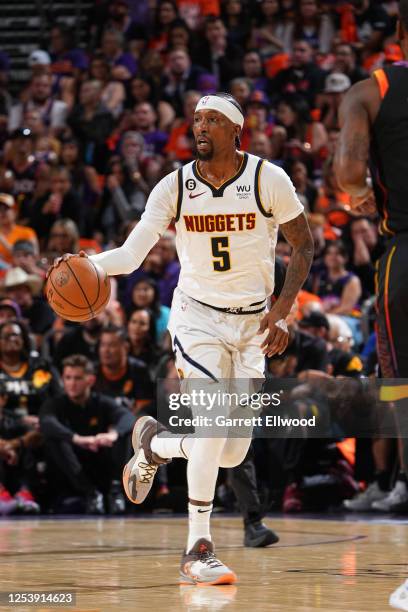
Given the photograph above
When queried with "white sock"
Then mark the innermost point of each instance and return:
(198, 524)
(169, 446)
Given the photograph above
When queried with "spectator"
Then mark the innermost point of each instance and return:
(66, 59)
(24, 170)
(9, 310)
(180, 76)
(346, 62)
(59, 202)
(123, 65)
(63, 238)
(119, 375)
(142, 336)
(314, 25)
(261, 145)
(366, 249)
(257, 118)
(10, 231)
(84, 178)
(144, 121)
(181, 141)
(217, 55)
(253, 70)
(86, 438)
(91, 124)
(303, 77)
(241, 90)
(82, 339)
(339, 289)
(235, 16)
(145, 294)
(270, 34)
(53, 112)
(305, 139)
(113, 91)
(336, 86)
(165, 14)
(24, 289)
(25, 256)
(305, 188)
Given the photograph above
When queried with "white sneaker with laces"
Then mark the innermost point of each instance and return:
(201, 567)
(398, 495)
(399, 598)
(363, 501)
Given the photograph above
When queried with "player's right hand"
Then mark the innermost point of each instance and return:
(65, 257)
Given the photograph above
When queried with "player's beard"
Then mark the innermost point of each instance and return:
(205, 156)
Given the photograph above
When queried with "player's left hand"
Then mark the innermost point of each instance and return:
(277, 339)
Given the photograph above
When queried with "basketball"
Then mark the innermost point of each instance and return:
(77, 289)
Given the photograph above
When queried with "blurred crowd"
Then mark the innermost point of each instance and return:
(82, 145)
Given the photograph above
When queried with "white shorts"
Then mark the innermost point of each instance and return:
(213, 344)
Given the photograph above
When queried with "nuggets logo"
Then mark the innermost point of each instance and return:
(61, 278)
(239, 222)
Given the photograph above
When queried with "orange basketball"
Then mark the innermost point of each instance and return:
(77, 289)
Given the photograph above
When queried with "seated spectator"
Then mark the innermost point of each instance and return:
(253, 71)
(26, 172)
(53, 112)
(144, 89)
(314, 25)
(58, 203)
(86, 437)
(180, 76)
(261, 145)
(91, 124)
(373, 25)
(306, 140)
(333, 202)
(240, 89)
(181, 140)
(142, 335)
(119, 375)
(9, 310)
(179, 36)
(82, 339)
(144, 119)
(113, 91)
(257, 119)
(26, 382)
(346, 63)
(303, 77)
(305, 188)
(145, 294)
(335, 88)
(122, 64)
(270, 33)
(217, 55)
(126, 190)
(339, 289)
(365, 249)
(67, 61)
(162, 263)
(25, 256)
(10, 231)
(63, 238)
(25, 290)
(236, 19)
(165, 13)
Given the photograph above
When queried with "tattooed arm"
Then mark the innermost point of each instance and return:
(355, 117)
(298, 235)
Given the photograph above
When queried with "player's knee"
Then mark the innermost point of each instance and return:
(232, 457)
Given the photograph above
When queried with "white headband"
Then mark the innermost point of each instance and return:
(222, 106)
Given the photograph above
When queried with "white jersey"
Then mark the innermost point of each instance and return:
(226, 237)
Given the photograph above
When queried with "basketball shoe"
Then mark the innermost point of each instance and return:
(7, 503)
(398, 495)
(139, 472)
(201, 567)
(26, 502)
(399, 598)
(363, 502)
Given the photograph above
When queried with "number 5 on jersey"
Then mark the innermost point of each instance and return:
(220, 251)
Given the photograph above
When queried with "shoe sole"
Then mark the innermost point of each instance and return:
(229, 578)
(129, 483)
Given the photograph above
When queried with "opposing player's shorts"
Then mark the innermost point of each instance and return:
(215, 345)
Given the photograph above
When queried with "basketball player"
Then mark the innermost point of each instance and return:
(374, 136)
(227, 207)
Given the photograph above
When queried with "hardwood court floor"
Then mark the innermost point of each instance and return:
(131, 564)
